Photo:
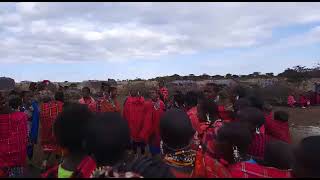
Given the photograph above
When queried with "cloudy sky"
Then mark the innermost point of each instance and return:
(79, 41)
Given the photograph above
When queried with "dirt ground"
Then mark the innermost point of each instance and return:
(303, 122)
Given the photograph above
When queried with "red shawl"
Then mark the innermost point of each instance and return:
(91, 103)
(13, 139)
(250, 170)
(133, 112)
(48, 114)
(151, 132)
(105, 105)
(278, 130)
(165, 93)
(257, 145)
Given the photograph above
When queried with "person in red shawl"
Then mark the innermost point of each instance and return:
(133, 112)
(88, 100)
(49, 110)
(304, 102)
(176, 149)
(109, 102)
(13, 137)
(254, 118)
(233, 140)
(70, 132)
(153, 110)
(191, 100)
(164, 93)
(278, 127)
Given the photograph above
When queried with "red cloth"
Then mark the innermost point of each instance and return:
(48, 114)
(133, 112)
(13, 139)
(291, 101)
(304, 101)
(224, 114)
(278, 130)
(90, 102)
(151, 131)
(84, 169)
(250, 170)
(192, 113)
(257, 145)
(165, 93)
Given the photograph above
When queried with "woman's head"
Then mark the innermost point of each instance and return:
(252, 116)
(15, 102)
(176, 130)
(207, 109)
(86, 92)
(211, 90)
(113, 92)
(191, 99)
(107, 138)
(233, 140)
(307, 158)
(70, 127)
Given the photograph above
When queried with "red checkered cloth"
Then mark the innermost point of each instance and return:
(278, 130)
(48, 114)
(251, 170)
(257, 145)
(13, 139)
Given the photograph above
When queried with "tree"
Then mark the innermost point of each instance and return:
(228, 75)
(256, 74)
(270, 74)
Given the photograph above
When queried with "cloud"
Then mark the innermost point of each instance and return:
(96, 31)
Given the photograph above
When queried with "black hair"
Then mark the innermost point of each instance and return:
(87, 88)
(71, 125)
(215, 87)
(279, 154)
(108, 138)
(111, 88)
(59, 96)
(307, 158)
(176, 130)
(179, 98)
(208, 106)
(240, 104)
(256, 101)
(15, 101)
(281, 116)
(251, 115)
(240, 91)
(235, 134)
(150, 167)
(191, 98)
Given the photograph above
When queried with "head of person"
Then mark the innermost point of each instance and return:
(59, 96)
(86, 92)
(239, 92)
(279, 154)
(33, 86)
(282, 116)
(15, 102)
(254, 117)
(178, 98)
(107, 138)
(27, 97)
(191, 99)
(46, 96)
(232, 142)
(176, 130)
(154, 93)
(211, 90)
(113, 92)
(134, 92)
(256, 101)
(307, 158)
(240, 104)
(207, 109)
(4, 106)
(70, 127)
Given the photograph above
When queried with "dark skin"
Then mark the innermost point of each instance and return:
(153, 95)
(85, 93)
(210, 92)
(72, 160)
(113, 93)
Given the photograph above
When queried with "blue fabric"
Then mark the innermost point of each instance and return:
(35, 123)
(154, 150)
(252, 161)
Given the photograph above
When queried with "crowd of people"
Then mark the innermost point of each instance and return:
(151, 136)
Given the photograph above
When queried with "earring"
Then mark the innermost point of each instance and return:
(161, 147)
(236, 155)
(208, 117)
(257, 131)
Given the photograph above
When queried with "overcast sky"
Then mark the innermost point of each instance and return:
(80, 41)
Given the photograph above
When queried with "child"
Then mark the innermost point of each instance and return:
(87, 99)
(109, 103)
(278, 127)
(70, 130)
(291, 101)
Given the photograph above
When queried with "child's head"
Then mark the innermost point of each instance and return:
(176, 130)
(15, 102)
(86, 92)
(230, 137)
(211, 90)
(70, 127)
(59, 96)
(281, 116)
(107, 138)
(279, 154)
(307, 158)
(207, 107)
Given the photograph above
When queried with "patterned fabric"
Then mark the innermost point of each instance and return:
(165, 93)
(109, 172)
(250, 170)
(133, 113)
(108, 105)
(278, 130)
(48, 114)
(13, 139)
(224, 114)
(15, 172)
(257, 146)
(291, 101)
